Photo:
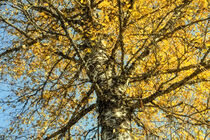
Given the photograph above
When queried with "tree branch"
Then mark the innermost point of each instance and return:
(174, 85)
(72, 121)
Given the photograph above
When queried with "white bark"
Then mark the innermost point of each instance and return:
(114, 115)
(115, 123)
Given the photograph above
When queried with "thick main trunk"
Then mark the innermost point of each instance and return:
(114, 119)
(114, 114)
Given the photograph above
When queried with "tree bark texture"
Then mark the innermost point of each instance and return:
(114, 113)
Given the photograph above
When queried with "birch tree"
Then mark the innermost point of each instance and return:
(106, 69)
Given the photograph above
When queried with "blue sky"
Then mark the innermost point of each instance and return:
(3, 115)
(4, 87)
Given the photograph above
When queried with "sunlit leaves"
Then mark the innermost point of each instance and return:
(52, 43)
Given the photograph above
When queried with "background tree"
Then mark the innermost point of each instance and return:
(107, 69)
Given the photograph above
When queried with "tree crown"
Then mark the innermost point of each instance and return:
(157, 49)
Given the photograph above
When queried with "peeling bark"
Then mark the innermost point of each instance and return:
(114, 113)
(114, 119)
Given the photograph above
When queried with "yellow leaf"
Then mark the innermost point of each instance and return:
(45, 4)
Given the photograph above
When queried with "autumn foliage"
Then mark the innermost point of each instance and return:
(156, 50)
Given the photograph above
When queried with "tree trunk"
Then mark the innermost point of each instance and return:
(114, 119)
(114, 114)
